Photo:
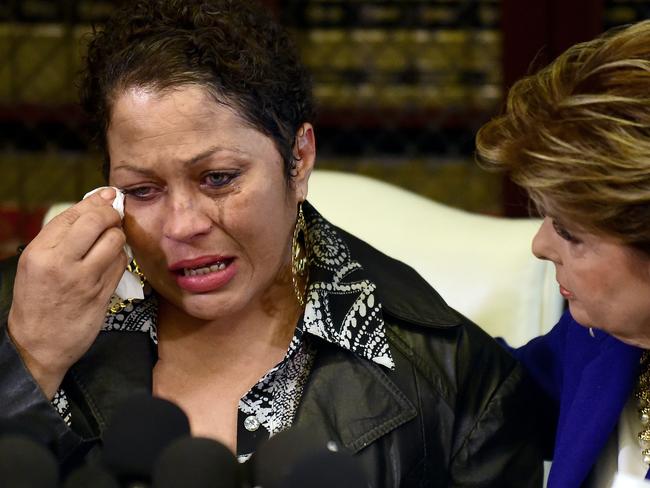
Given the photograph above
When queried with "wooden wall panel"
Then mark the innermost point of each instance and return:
(534, 33)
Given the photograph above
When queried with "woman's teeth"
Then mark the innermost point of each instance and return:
(204, 270)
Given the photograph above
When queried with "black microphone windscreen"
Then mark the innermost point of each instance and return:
(34, 427)
(26, 464)
(194, 462)
(138, 432)
(91, 476)
(295, 459)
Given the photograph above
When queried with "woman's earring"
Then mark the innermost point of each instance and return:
(299, 259)
(116, 304)
(135, 269)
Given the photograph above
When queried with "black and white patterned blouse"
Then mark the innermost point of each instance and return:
(341, 308)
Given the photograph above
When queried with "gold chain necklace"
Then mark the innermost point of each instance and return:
(643, 402)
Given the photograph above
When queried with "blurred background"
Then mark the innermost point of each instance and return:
(402, 87)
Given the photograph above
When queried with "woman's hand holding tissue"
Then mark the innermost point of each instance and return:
(65, 279)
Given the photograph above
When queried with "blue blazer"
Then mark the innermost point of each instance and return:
(588, 380)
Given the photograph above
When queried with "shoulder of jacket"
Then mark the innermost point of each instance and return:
(452, 355)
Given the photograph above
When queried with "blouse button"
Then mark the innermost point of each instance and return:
(251, 424)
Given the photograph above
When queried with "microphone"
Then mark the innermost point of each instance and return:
(33, 427)
(138, 432)
(91, 475)
(294, 459)
(25, 464)
(195, 462)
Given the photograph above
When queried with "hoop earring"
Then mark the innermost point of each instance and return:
(116, 304)
(135, 269)
(299, 259)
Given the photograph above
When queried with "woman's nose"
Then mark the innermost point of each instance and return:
(544, 242)
(185, 220)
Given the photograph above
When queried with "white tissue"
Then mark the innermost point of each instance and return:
(129, 286)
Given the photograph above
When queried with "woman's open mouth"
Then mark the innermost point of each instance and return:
(220, 266)
(204, 274)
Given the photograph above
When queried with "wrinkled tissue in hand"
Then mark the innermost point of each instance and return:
(129, 286)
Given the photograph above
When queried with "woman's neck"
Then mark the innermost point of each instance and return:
(260, 333)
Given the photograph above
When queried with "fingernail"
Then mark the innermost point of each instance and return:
(107, 194)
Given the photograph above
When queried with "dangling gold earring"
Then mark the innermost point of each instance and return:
(299, 259)
(116, 304)
(135, 269)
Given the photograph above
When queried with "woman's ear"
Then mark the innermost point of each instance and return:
(304, 153)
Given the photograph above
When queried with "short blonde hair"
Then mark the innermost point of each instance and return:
(576, 135)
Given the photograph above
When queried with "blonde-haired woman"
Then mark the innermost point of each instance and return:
(576, 136)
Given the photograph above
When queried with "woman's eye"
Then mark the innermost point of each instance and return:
(563, 233)
(218, 180)
(140, 192)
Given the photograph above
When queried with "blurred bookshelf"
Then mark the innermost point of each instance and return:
(411, 56)
(621, 12)
(402, 86)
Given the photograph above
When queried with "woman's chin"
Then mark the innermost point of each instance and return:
(609, 327)
(579, 314)
(206, 308)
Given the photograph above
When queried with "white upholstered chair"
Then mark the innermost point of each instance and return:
(482, 266)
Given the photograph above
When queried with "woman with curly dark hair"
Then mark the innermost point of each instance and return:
(261, 314)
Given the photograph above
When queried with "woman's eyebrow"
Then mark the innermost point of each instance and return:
(125, 165)
(135, 169)
(205, 154)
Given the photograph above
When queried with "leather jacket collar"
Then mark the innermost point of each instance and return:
(412, 304)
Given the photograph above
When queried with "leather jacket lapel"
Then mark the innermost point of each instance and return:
(369, 406)
(117, 366)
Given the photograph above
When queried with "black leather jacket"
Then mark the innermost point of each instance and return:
(453, 413)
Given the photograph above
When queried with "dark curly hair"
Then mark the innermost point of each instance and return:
(233, 48)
